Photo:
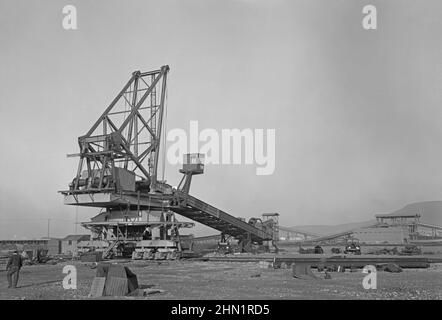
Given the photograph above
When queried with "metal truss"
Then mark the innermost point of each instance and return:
(127, 134)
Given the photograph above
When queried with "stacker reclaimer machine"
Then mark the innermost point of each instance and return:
(118, 173)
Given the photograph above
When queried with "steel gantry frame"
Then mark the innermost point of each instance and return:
(128, 132)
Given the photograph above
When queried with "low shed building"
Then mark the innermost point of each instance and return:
(69, 245)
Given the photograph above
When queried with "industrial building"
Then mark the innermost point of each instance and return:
(53, 246)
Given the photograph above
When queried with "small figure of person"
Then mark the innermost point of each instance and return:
(147, 234)
(13, 267)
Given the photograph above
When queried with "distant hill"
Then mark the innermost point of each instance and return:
(430, 211)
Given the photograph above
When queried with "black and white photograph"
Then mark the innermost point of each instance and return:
(236, 152)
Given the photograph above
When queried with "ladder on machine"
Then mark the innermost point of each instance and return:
(109, 249)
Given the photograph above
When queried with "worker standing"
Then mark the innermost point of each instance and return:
(13, 267)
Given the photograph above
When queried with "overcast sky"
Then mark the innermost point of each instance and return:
(357, 112)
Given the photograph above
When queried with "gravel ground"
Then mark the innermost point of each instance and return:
(229, 280)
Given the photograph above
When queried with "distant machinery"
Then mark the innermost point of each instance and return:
(118, 171)
(271, 222)
(291, 234)
(333, 239)
(389, 228)
(416, 229)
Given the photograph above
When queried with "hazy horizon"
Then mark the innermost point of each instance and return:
(357, 112)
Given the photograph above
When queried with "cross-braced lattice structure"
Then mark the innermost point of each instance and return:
(125, 136)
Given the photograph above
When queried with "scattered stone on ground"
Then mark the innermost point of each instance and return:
(227, 280)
